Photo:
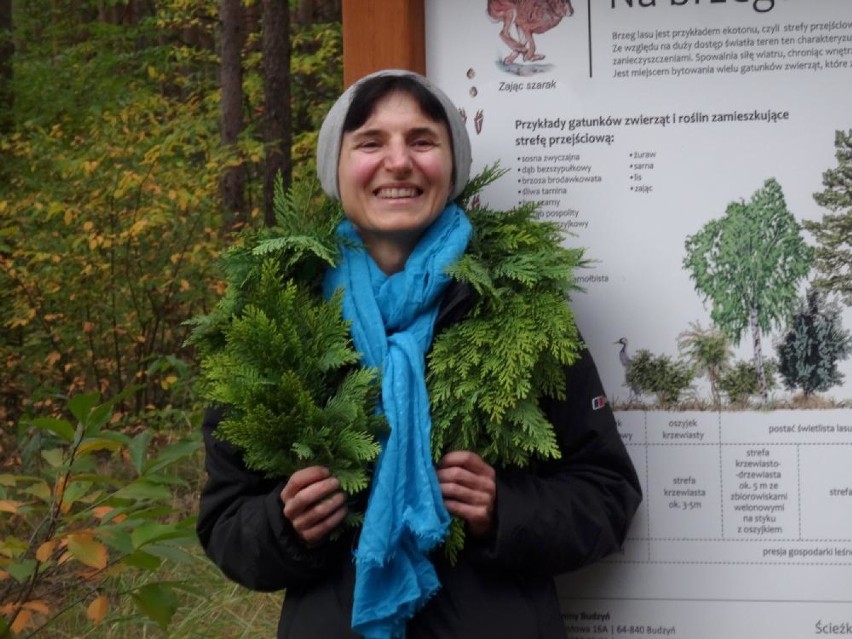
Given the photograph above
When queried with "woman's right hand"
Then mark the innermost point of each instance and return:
(313, 503)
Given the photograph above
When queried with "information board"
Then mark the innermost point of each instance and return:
(701, 152)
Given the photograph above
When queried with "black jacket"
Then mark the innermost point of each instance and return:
(551, 518)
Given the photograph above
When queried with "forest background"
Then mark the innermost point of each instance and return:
(136, 138)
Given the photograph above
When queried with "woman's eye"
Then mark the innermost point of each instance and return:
(423, 143)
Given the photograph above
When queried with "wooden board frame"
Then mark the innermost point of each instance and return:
(382, 34)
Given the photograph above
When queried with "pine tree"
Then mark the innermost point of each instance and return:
(834, 232)
(813, 345)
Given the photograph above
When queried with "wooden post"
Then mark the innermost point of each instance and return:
(382, 34)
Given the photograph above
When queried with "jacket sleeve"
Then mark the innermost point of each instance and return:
(563, 514)
(242, 528)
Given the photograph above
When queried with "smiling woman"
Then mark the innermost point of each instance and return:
(490, 380)
(395, 176)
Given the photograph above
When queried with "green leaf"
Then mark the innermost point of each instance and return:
(142, 560)
(158, 602)
(55, 457)
(173, 453)
(116, 538)
(171, 553)
(81, 405)
(40, 489)
(8, 480)
(138, 450)
(155, 531)
(99, 416)
(21, 570)
(143, 491)
(74, 491)
(58, 427)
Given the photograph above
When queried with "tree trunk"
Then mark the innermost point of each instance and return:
(276, 89)
(313, 11)
(7, 51)
(758, 353)
(233, 182)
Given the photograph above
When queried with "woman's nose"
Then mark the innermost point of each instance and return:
(398, 157)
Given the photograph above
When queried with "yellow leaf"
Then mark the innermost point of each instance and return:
(88, 226)
(9, 506)
(97, 609)
(138, 227)
(88, 550)
(90, 166)
(167, 382)
(51, 359)
(21, 621)
(45, 551)
(184, 286)
(97, 443)
(37, 605)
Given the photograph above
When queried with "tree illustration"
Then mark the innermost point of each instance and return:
(748, 264)
(813, 345)
(709, 352)
(740, 381)
(833, 258)
(660, 376)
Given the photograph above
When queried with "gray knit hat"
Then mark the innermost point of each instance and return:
(331, 134)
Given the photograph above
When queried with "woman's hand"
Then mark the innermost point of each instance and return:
(313, 503)
(469, 488)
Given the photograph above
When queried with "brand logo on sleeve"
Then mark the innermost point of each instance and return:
(598, 402)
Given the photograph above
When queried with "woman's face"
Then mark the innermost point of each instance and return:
(395, 172)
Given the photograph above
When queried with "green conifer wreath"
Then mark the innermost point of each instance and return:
(279, 357)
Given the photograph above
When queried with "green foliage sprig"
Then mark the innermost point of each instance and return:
(487, 373)
(279, 358)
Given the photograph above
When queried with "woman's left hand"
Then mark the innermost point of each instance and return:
(469, 487)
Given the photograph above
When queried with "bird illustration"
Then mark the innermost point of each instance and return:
(528, 17)
(626, 360)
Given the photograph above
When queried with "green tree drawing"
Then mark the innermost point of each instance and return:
(740, 381)
(660, 376)
(834, 232)
(813, 345)
(709, 352)
(748, 264)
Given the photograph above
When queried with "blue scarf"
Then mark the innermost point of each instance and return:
(392, 323)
